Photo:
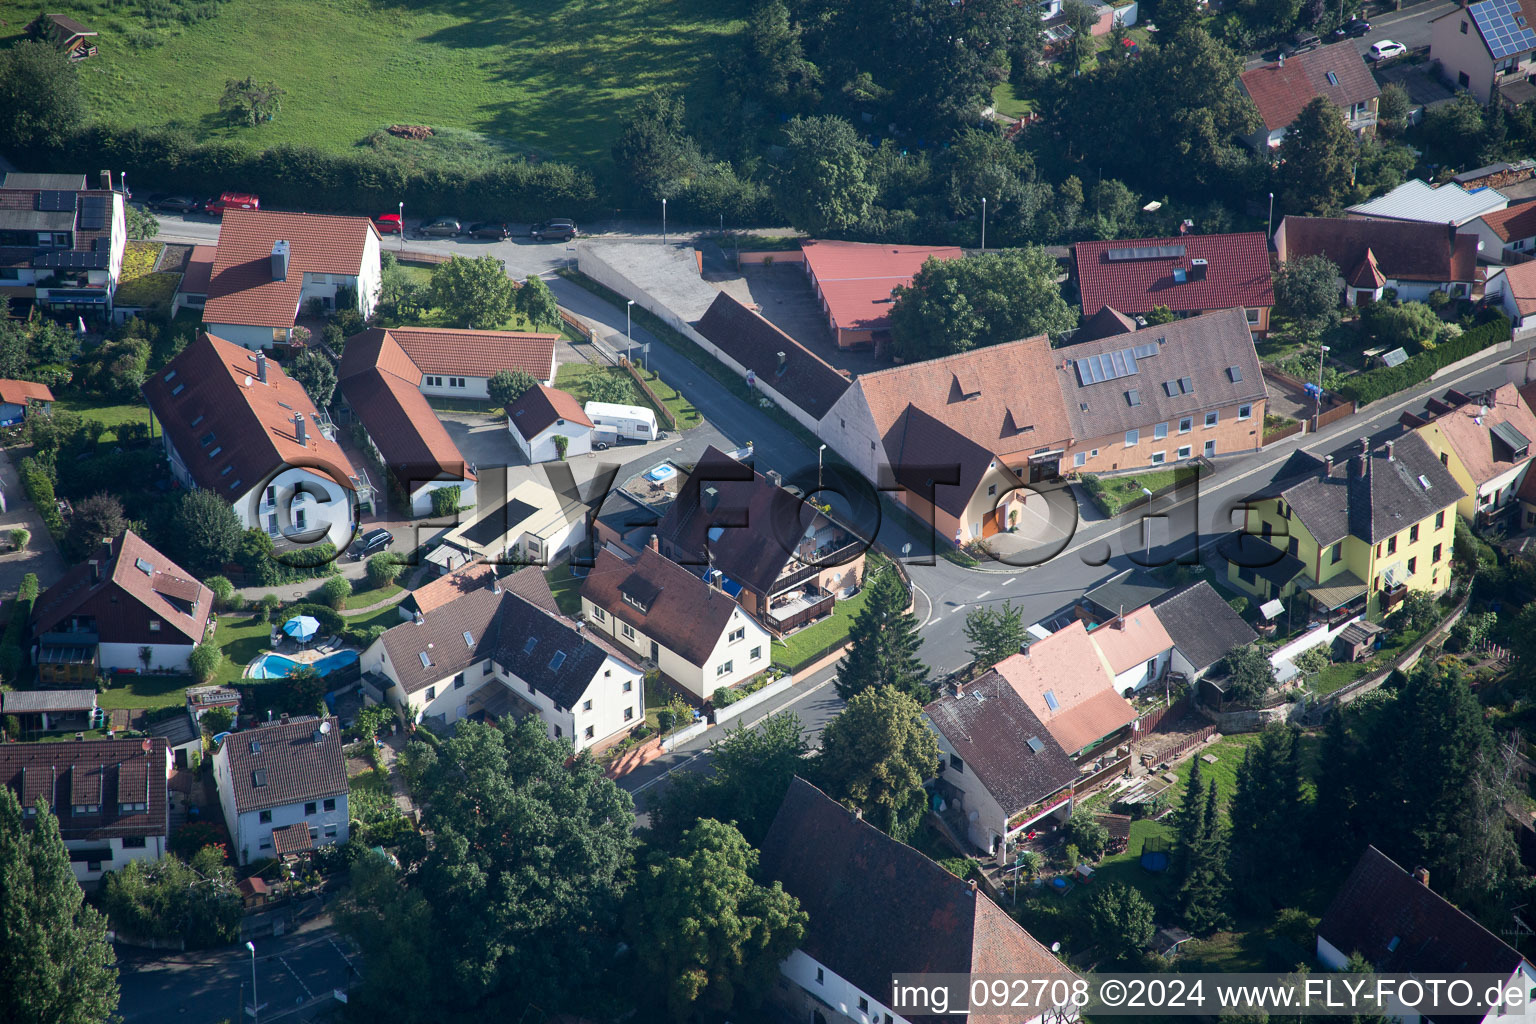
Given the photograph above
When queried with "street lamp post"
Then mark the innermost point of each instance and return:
(1322, 357)
(1269, 225)
(255, 1002)
(629, 342)
(819, 452)
(983, 224)
(402, 225)
(1146, 526)
(663, 222)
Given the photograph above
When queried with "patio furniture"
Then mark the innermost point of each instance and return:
(302, 627)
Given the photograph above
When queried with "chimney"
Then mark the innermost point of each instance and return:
(858, 814)
(283, 718)
(1389, 451)
(711, 498)
(106, 181)
(420, 618)
(775, 477)
(1365, 446)
(1421, 875)
(261, 366)
(299, 432)
(1327, 465)
(1024, 649)
(973, 885)
(653, 543)
(1282, 59)
(279, 260)
(95, 571)
(1197, 269)
(783, 363)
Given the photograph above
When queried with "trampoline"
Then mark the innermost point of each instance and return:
(1154, 854)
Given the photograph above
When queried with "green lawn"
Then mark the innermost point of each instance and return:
(386, 617)
(145, 692)
(365, 594)
(565, 587)
(549, 77)
(241, 639)
(107, 413)
(1005, 101)
(1113, 494)
(573, 377)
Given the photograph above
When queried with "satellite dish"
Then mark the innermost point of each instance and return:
(146, 746)
(325, 727)
(1055, 947)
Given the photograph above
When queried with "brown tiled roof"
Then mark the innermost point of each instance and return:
(241, 289)
(383, 387)
(1068, 670)
(1513, 222)
(989, 726)
(541, 407)
(1106, 323)
(104, 773)
(431, 596)
(291, 839)
(754, 342)
(924, 454)
(199, 272)
(157, 587)
(1237, 275)
(1014, 377)
(1205, 349)
(1131, 639)
(203, 391)
(844, 872)
(20, 392)
(478, 353)
(1368, 274)
(1469, 430)
(684, 614)
(1405, 250)
(1280, 92)
(1402, 926)
(1520, 279)
(285, 764)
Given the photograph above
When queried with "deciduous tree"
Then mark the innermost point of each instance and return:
(1307, 291)
(41, 101)
(1316, 159)
(473, 292)
(316, 375)
(171, 898)
(876, 756)
(507, 386)
(536, 302)
(824, 179)
(97, 518)
(249, 102)
(956, 305)
(1121, 920)
(655, 153)
(206, 530)
(883, 642)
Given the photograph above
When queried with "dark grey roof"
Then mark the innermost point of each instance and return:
(285, 764)
(59, 182)
(1125, 591)
(990, 727)
(440, 636)
(1212, 355)
(1202, 625)
(547, 651)
(754, 342)
(175, 730)
(23, 702)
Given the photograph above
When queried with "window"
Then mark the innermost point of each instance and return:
(736, 634)
(1440, 520)
(271, 496)
(1392, 545)
(599, 615)
(1212, 418)
(757, 652)
(1160, 431)
(1463, 26)
(1186, 424)
(863, 1005)
(458, 681)
(431, 693)
(154, 625)
(485, 669)
(300, 520)
(330, 831)
(264, 817)
(1079, 460)
(1336, 553)
(1376, 583)
(1245, 412)
(1210, 448)
(1185, 452)
(1434, 556)
(1462, 79)
(629, 684)
(586, 705)
(628, 631)
(1413, 566)
(310, 808)
(955, 763)
(87, 808)
(724, 668)
(629, 713)
(330, 803)
(266, 844)
(588, 734)
(1253, 315)
(133, 842)
(1293, 545)
(1158, 458)
(1132, 438)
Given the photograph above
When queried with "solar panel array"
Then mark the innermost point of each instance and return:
(1145, 252)
(74, 260)
(94, 211)
(1503, 27)
(1109, 366)
(50, 201)
(1143, 351)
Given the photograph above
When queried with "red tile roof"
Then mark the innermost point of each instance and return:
(539, 408)
(478, 353)
(1132, 639)
(20, 392)
(383, 387)
(1520, 279)
(1237, 274)
(1068, 670)
(157, 587)
(856, 278)
(1281, 91)
(1368, 274)
(211, 390)
(99, 773)
(242, 290)
(199, 272)
(1513, 222)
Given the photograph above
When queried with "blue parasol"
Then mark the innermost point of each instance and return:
(302, 627)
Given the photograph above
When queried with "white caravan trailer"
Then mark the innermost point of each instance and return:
(616, 424)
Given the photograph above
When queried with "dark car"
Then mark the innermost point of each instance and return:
(371, 543)
(1305, 41)
(489, 230)
(172, 204)
(444, 227)
(559, 230)
(1354, 28)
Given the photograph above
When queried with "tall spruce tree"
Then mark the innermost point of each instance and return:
(1267, 816)
(883, 643)
(1188, 820)
(56, 966)
(1200, 857)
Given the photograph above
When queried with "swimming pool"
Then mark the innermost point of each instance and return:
(275, 666)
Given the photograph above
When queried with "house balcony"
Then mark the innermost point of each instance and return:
(809, 564)
(1362, 123)
(791, 609)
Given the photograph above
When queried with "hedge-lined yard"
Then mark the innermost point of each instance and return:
(1371, 385)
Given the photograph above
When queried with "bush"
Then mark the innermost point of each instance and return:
(270, 605)
(12, 648)
(335, 592)
(222, 589)
(1367, 387)
(20, 538)
(445, 501)
(1086, 833)
(38, 484)
(1313, 660)
(363, 636)
(217, 720)
(383, 569)
(331, 621)
(204, 661)
(1238, 604)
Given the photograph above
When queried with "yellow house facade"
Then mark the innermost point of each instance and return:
(1357, 535)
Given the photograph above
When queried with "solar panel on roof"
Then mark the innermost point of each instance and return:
(1108, 366)
(1143, 351)
(1503, 27)
(93, 212)
(1144, 252)
(72, 260)
(50, 201)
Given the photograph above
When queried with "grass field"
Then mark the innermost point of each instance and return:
(144, 692)
(1114, 493)
(111, 415)
(572, 377)
(565, 588)
(548, 77)
(364, 594)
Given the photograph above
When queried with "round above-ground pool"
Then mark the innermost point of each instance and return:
(276, 666)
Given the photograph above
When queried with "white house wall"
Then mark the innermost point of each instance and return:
(152, 850)
(1459, 52)
(172, 657)
(370, 275)
(700, 680)
(1137, 677)
(253, 841)
(542, 447)
(842, 996)
(849, 428)
(474, 387)
(986, 820)
(421, 497)
(242, 334)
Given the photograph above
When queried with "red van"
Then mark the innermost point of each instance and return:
(232, 201)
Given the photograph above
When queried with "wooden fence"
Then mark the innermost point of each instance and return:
(1194, 739)
(1152, 719)
(1281, 433)
(1102, 776)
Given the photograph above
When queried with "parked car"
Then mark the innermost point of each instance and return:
(1354, 28)
(443, 227)
(1305, 41)
(387, 223)
(172, 204)
(232, 201)
(489, 229)
(558, 230)
(371, 543)
(1386, 50)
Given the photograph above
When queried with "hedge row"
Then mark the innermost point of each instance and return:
(12, 653)
(1367, 387)
(360, 182)
(39, 487)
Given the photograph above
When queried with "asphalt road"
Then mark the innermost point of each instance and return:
(295, 977)
(1409, 26)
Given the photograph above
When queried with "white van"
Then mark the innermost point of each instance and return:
(618, 424)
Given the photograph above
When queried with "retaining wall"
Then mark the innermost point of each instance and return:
(747, 703)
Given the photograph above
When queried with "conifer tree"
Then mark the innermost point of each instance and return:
(883, 643)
